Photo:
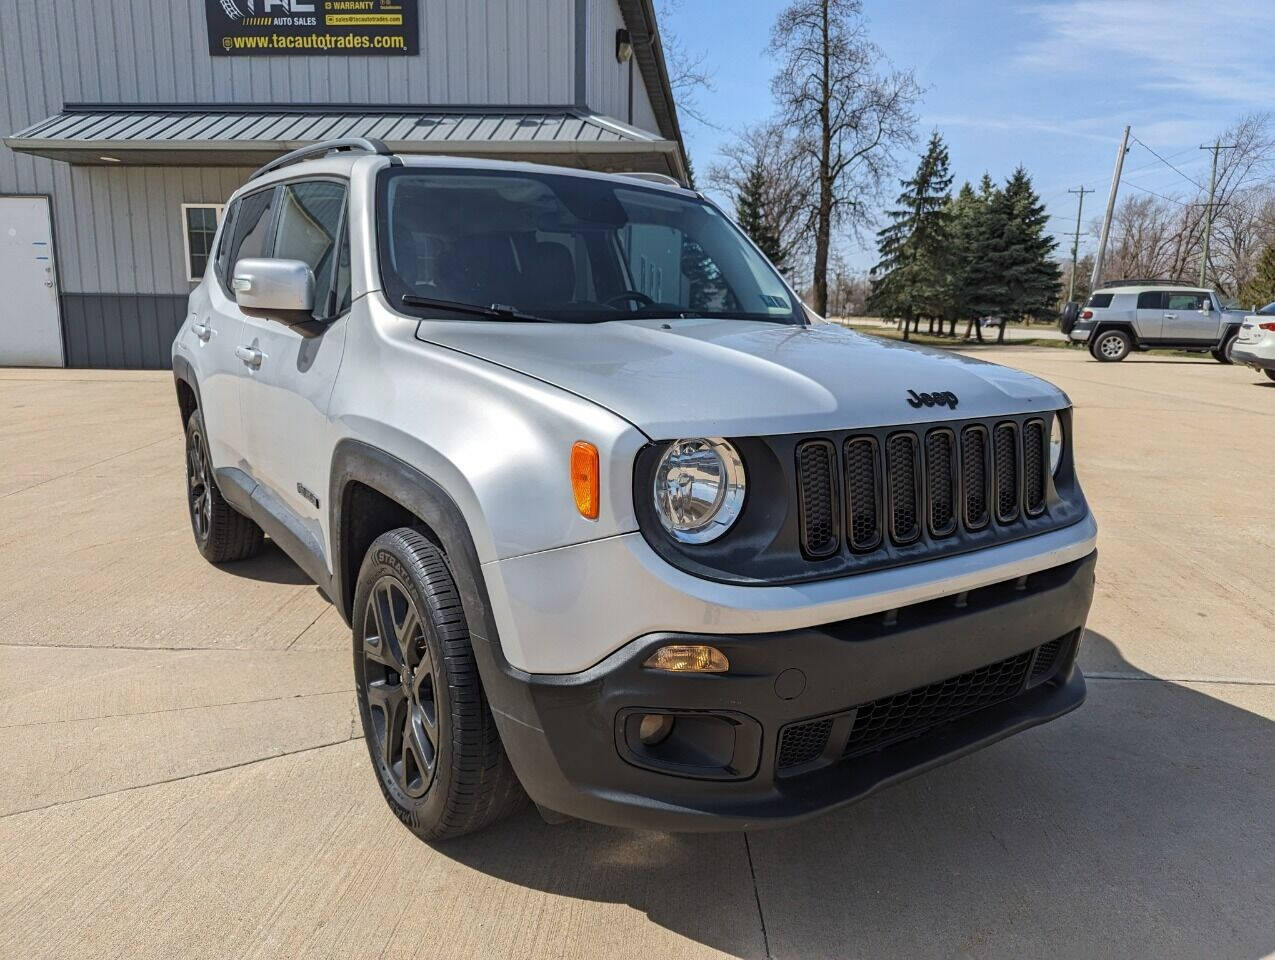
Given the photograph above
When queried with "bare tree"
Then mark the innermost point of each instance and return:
(788, 184)
(848, 108)
(688, 72)
(1163, 237)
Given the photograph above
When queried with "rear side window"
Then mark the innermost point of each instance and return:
(311, 214)
(1188, 301)
(1100, 300)
(227, 241)
(1151, 300)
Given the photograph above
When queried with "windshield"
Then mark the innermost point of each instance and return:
(565, 248)
(1268, 310)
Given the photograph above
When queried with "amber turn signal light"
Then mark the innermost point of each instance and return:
(688, 658)
(584, 479)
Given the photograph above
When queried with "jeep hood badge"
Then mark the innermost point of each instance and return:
(945, 399)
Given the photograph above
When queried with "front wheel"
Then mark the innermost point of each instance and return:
(1112, 346)
(428, 728)
(1223, 353)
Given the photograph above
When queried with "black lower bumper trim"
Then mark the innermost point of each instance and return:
(572, 741)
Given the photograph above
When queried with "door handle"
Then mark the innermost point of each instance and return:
(249, 355)
(1170, 316)
(202, 331)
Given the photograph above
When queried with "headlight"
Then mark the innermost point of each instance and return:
(1055, 444)
(699, 489)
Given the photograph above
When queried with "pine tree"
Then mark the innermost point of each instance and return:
(1031, 274)
(909, 281)
(1260, 288)
(753, 217)
(983, 250)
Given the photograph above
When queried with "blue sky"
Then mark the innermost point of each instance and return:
(1049, 85)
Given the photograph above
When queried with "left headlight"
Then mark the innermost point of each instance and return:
(699, 489)
(1056, 444)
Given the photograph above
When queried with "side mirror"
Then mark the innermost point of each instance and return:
(273, 286)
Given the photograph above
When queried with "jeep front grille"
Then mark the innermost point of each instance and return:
(897, 488)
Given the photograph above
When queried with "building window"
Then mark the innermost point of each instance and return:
(199, 226)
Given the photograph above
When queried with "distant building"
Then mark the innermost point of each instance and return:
(127, 125)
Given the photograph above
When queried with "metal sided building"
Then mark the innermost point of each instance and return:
(125, 127)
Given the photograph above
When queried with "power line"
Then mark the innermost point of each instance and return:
(1153, 193)
(1166, 163)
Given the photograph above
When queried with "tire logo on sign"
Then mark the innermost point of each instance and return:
(231, 9)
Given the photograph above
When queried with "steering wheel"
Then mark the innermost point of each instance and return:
(630, 296)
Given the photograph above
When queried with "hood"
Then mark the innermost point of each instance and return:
(732, 378)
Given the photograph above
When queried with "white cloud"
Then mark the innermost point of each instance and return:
(1217, 50)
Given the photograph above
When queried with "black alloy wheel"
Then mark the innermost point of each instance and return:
(198, 485)
(400, 681)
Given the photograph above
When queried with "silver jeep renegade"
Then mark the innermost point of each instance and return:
(617, 524)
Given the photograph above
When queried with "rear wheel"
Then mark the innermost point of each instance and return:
(221, 533)
(428, 728)
(1112, 346)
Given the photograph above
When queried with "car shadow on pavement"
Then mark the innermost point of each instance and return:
(271, 565)
(1143, 824)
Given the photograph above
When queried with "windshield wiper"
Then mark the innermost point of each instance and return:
(495, 311)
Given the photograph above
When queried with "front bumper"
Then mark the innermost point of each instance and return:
(977, 655)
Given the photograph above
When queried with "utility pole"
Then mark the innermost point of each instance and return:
(1111, 208)
(1217, 148)
(1075, 242)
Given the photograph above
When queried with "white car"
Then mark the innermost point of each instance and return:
(1255, 346)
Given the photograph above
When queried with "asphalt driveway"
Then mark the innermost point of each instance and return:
(181, 772)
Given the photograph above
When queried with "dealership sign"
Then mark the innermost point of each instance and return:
(272, 28)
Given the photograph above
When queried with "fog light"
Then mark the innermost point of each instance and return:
(688, 658)
(654, 728)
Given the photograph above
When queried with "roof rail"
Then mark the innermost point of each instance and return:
(1145, 281)
(322, 149)
(663, 178)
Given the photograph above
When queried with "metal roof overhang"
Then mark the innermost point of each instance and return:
(202, 135)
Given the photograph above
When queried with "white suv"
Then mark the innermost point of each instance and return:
(1255, 346)
(614, 524)
(1120, 318)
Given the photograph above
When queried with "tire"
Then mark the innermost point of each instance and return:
(426, 722)
(1223, 353)
(222, 534)
(1270, 374)
(1070, 314)
(1111, 346)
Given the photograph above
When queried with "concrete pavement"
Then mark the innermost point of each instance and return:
(182, 773)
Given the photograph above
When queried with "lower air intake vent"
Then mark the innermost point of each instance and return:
(802, 742)
(1046, 659)
(884, 721)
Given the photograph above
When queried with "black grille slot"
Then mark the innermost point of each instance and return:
(974, 472)
(863, 493)
(907, 714)
(817, 503)
(1046, 659)
(1005, 450)
(802, 742)
(1034, 467)
(940, 481)
(903, 478)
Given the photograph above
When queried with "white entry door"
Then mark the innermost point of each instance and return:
(30, 331)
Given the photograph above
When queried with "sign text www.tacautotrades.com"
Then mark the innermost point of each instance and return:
(272, 28)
